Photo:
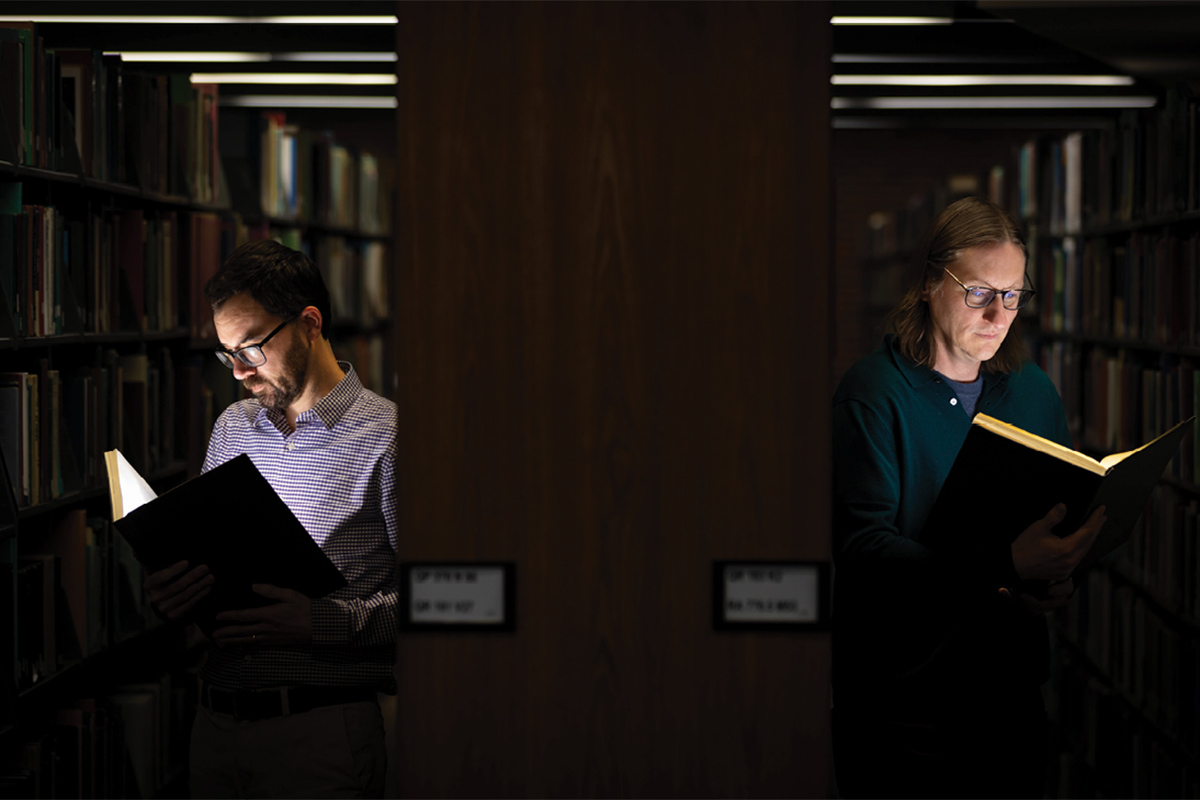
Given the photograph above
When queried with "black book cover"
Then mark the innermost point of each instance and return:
(232, 520)
(1004, 479)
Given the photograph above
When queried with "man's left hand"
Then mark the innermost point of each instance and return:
(287, 622)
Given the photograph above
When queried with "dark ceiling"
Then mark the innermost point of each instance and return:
(1158, 40)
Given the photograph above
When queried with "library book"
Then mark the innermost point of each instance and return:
(228, 518)
(1004, 479)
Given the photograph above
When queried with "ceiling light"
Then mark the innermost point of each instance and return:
(982, 80)
(123, 19)
(306, 101)
(228, 57)
(891, 20)
(333, 57)
(931, 58)
(909, 103)
(326, 78)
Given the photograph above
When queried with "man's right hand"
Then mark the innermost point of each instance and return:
(1041, 555)
(175, 590)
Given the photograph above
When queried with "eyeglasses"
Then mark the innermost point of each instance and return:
(251, 355)
(982, 296)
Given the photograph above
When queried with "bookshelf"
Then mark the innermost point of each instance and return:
(121, 192)
(1115, 216)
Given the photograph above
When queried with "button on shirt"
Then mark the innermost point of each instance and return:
(336, 472)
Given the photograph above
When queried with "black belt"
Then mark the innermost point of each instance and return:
(278, 702)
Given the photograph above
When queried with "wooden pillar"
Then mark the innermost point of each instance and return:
(612, 325)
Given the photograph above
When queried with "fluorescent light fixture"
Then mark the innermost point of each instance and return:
(295, 79)
(124, 19)
(366, 57)
(229, 57)
(909, 103)
(306, 101)
(891, 21)
(931, 58)
(981, 80)
(220, 58)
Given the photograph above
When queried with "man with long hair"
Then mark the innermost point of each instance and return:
(938, 664)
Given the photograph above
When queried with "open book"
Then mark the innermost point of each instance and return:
(1005, 479)
(228, 518)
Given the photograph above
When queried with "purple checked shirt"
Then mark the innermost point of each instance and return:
(336, 472)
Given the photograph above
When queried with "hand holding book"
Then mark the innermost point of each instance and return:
(1035, 476)
(228, 521)
(176, 590)
(1045, 562)
(1039, 554)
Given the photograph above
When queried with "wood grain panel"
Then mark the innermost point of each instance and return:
(612, 326)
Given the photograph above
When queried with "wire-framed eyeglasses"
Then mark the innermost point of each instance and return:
(982, 296)
(251, 355)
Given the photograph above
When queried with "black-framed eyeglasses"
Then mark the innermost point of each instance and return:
(982, 296)
(251, 355)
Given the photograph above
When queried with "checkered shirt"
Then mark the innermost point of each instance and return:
(336, 472)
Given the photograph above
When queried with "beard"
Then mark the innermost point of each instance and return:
(286, 387)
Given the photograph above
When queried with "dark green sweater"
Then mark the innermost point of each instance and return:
(906, 618)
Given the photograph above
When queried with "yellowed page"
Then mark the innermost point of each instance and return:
(1042, 445)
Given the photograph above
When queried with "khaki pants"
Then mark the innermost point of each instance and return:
(331, 751)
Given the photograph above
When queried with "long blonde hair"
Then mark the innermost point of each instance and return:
(970, 222)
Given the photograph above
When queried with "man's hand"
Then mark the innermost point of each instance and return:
(175, 590)
(1040, 555)
(1058, 594)
(286, 622)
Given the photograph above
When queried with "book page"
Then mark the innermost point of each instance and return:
(1116, 458)
(126, 488)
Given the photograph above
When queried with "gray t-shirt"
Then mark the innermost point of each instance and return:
(968, 393)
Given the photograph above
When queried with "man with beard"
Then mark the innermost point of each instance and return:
(288, 703)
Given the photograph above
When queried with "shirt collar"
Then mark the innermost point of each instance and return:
(919, 375)
(329, 409)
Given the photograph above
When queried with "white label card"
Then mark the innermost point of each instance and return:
(458, 594)
(767, 593)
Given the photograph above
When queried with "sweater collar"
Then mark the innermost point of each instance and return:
(919, 375)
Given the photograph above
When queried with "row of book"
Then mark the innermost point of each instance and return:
(894, 233)
(82, 112)
(1118, 399)
(108, 270)
(157, 408)
(1145, 165)
(1163, 554)
(79, 111)
(356, 273)
(284, 171)
(1149, 659)
(128, 742)
(1108, 749)
(1145, 288)
(72, 591)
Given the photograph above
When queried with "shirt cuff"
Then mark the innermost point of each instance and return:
(330, 621)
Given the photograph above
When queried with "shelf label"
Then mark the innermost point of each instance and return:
(770, 594)
(469, 595)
